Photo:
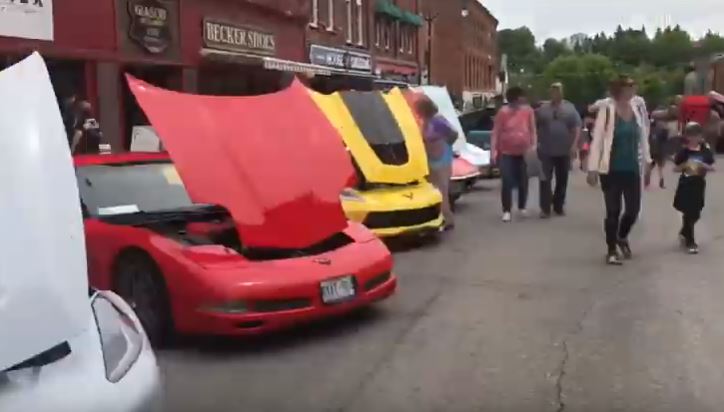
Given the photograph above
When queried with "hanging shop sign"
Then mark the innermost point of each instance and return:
(27, 19)
(150, 25)
(340, 59)
(238, 38)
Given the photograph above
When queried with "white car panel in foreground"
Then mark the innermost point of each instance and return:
(59, 349)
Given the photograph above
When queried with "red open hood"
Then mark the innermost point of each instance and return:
(274, 161)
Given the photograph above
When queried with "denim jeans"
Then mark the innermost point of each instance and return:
(619, 188)
(514, 174)
(556, 167)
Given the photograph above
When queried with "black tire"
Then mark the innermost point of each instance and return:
(138, 280)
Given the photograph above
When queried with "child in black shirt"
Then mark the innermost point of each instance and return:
(694, 160)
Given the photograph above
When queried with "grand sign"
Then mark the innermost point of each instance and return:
(340, 59)
(149, 25)
(237, 38)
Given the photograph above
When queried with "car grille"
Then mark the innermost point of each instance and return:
(412, 217)
(377, 281)
(265, 306)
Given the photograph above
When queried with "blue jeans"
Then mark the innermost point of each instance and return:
(514, 174)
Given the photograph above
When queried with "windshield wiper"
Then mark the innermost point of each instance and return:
(47, 357)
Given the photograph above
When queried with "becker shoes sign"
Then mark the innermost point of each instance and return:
(27, 19)
(238, 38)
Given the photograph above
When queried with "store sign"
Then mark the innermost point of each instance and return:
(340, 59)
(237, 38)
(27, 19)
(150, 25)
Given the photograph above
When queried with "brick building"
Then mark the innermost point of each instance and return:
(225, 47)
(395, 41)
(461, 53)
(338, 37)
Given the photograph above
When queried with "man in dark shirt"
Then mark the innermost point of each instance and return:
(559, 128)
(69, 112)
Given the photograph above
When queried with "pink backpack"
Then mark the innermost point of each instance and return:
(515, 130)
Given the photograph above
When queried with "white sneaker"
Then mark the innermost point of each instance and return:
(507, 217)
(523, 213)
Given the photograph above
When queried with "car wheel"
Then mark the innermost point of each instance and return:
(139, 282)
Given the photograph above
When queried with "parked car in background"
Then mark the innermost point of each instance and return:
(64, 347)
(391, 195)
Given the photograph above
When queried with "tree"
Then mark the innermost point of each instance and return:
(584, 77)
(631, 47)
(671, 47)
(519, 45)
(712, 43)
(553, 48)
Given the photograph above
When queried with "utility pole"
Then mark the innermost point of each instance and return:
(429, 19)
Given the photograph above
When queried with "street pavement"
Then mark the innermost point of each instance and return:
(499, 317)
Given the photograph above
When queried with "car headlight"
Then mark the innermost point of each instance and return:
(351, 195)
(121, 338)
(236, 307)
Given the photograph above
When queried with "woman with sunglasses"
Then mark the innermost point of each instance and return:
(619, 136)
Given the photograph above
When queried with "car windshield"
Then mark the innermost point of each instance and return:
(109, 190)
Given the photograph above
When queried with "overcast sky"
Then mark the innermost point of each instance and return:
(561, 18)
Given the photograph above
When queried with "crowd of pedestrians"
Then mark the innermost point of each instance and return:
(618, 143)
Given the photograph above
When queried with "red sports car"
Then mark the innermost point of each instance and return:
(242, 233)
(183, 266)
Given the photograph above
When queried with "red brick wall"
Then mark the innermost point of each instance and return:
(461, 45)
(393, 52)
(83, 28)
(337, 36)
(288, 30)
(479, 41)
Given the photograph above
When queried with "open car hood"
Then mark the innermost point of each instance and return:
(43, 275)
(368, 118)
(273, 161)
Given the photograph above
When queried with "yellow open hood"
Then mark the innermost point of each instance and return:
(396, 107)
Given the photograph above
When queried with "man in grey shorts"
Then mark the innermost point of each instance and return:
(559, 128)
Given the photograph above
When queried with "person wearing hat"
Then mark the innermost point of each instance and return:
(619, 145)
(693, 161)
(559, 129)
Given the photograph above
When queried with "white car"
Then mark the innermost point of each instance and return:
(63, 347)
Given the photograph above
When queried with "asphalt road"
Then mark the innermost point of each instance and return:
(499, 317)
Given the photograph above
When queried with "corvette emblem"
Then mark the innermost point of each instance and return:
(409, 195)
(323, 261)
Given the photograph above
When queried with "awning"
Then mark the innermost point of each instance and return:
(411, 18)
(396, 68)
(388, 8)
(270, 63)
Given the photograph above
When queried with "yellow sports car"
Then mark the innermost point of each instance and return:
(392, 196)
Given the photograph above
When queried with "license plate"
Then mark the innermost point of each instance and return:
(337, 290)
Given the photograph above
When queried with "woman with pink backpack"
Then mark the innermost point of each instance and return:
(514, 136)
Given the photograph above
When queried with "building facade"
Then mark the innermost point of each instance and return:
(338, 38)
(395, 39)
(460, 49)
(206, 46)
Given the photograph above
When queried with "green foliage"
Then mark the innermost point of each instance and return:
(584, 77)
(585, 64)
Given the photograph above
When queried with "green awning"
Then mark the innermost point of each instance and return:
(411, 18)
(388, 8)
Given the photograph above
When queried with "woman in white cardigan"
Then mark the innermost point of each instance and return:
(620, 157)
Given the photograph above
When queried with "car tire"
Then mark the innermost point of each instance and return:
(138, 280)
